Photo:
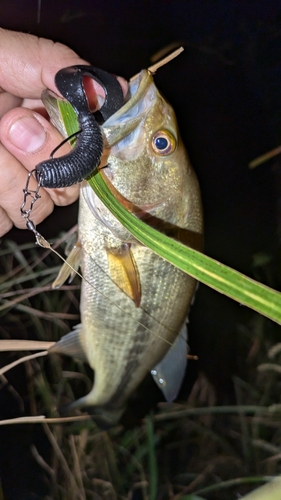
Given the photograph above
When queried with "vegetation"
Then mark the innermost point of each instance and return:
(188, 450)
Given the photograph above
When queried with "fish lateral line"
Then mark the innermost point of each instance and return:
(42, 242)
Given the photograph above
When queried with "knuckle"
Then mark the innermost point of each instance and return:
(5, 223)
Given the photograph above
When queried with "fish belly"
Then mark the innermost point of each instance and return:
(123, 342)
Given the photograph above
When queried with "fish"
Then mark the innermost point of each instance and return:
(134, 305)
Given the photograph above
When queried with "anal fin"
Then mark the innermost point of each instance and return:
(169, 372)
(71, 265)
(72, 344)
(124, 272)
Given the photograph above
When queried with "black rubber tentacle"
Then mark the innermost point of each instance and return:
(69, 79)
(76, 165)
(87, 152)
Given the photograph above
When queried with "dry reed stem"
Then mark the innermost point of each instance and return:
(22, 360)
(43, 464)
(269, 366)
(25, 345)
(74, 486)
(76, 465)
(263, 158)
(41, 419)
(152, 69)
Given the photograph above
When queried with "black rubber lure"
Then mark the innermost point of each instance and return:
(87, 152)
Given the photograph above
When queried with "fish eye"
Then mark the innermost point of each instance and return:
(163, 142)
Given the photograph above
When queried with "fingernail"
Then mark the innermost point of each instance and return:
(27, 134)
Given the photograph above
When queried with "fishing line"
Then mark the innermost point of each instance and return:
(189, 356)
(29, 199)
(40, 240)
(140, 308)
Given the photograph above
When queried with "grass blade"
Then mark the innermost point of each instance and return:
(269, 491)
(210, 272)
(152, 460)
(221, 278)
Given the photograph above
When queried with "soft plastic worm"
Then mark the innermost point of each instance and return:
(87, 152)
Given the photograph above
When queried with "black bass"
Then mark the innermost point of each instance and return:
(137, 324)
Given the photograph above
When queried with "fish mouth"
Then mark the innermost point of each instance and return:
(121, 126)
(141, 93)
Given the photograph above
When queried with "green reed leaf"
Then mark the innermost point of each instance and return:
(221, 278)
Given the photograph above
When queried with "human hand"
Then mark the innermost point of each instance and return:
(28, 66)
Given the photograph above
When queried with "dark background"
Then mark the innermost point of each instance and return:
(225, 89)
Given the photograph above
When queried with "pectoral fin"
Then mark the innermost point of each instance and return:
(169, 373)
(124, 272)
(69, 267)
(72, 344)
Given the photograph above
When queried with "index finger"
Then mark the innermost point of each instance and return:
(29, 64)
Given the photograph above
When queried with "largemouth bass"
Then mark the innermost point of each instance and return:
(137, 324)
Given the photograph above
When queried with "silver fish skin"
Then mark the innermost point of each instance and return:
(123, 340)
